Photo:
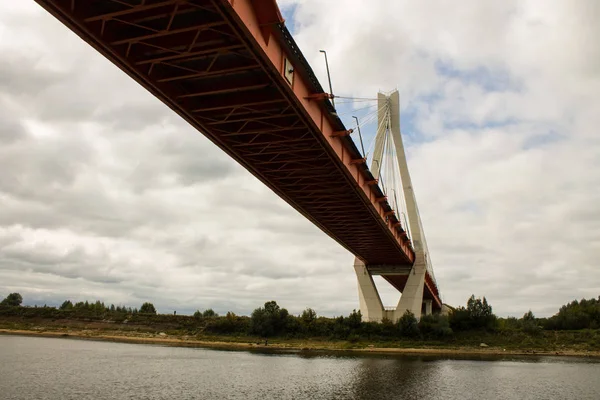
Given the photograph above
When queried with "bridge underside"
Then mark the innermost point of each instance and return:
(236, 75)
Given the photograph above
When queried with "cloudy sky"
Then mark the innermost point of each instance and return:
(107, 194)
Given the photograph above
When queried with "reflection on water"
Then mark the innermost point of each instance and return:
(40, 368)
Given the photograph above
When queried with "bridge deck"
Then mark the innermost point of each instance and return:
(232, 70)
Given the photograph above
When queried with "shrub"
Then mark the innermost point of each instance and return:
(529, 324)
(353, 338)
(408, 325)
(354, 319)
(435, 325)
(229, 324)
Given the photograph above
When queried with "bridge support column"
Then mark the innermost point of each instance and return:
(412, 296)
(428, 307)
(371, 306)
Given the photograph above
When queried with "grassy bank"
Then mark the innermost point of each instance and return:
(466, 330)
(186, 331)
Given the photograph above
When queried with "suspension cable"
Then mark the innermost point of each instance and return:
(356, 98)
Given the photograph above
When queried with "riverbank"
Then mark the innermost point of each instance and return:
(243, 343)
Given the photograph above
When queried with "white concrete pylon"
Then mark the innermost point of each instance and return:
(412, 296)
(371, 307)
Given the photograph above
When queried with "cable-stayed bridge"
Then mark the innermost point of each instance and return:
(232, 70)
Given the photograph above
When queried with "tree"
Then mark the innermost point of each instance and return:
(577, 315)
(308, 316)
(354, 319)
(408, 325)
(98, 307)
(528, 316)
(66, 305)
(529, 324)
(13, 299)
(210, 313)
(269, 320)
(478, 309)
(146, 308)
(477, 315)
(229, 324)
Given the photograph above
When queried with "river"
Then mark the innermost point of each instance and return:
(45, 368)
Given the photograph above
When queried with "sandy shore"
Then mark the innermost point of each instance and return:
(292, 347)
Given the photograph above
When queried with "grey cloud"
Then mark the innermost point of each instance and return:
(24, 76)
(11, 131)
(36, 167)
(74, 264)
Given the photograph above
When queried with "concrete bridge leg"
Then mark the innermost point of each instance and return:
(428, 307)
(371, 306)
(412, 296)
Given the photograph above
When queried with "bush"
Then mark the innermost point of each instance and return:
(353, 338)
(435, 325)
(509, 324)
(354, 319)
(529, 324)
(209, 313)
(386, 328)
(408, 325)
(229, 324)
(532, 328)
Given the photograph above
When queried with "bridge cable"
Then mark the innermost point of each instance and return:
(357, 98)
(357, 109)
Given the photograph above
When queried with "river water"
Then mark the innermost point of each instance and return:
(43, 368)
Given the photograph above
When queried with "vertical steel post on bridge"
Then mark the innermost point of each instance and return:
(371, 307)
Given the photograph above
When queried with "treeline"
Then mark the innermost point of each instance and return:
(584, 314)
(99, 307)
(271, 320)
